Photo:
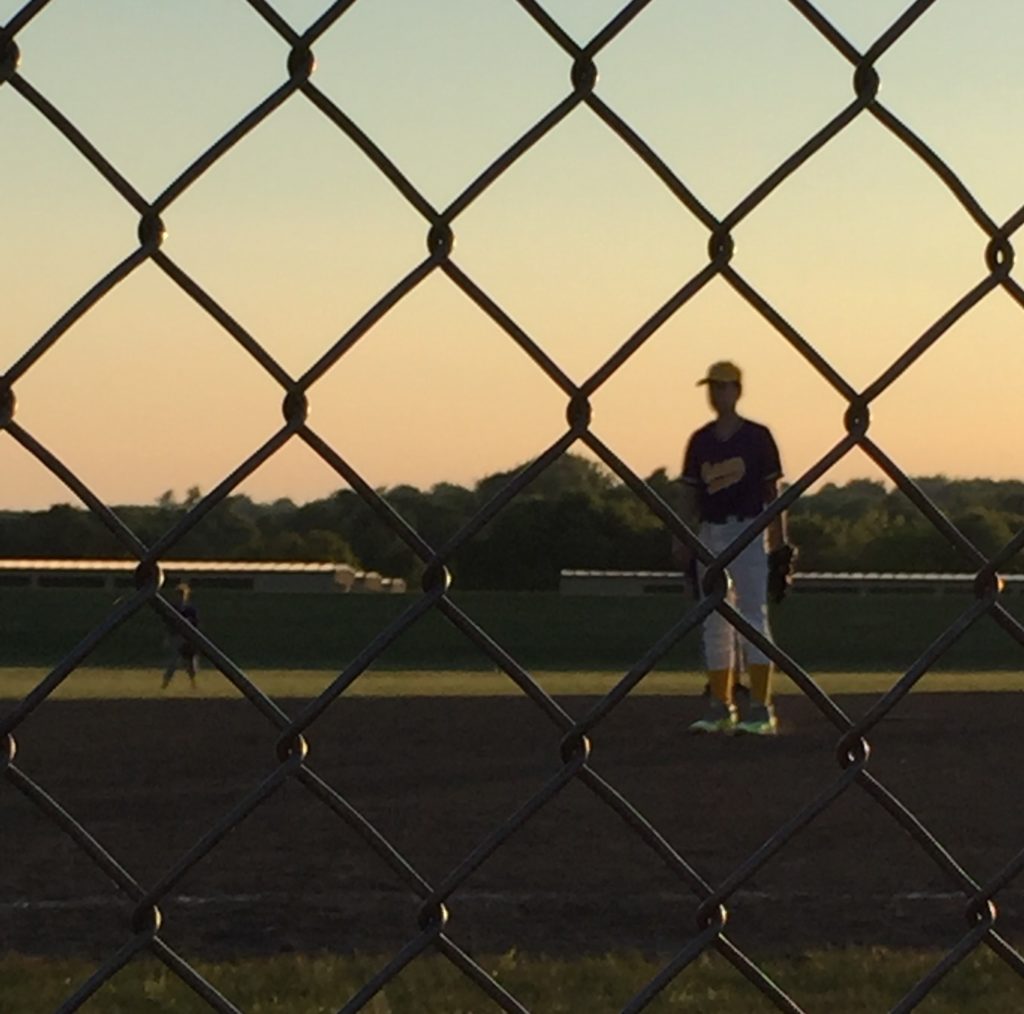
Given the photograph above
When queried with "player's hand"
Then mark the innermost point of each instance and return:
(683, 558)
(780, 571)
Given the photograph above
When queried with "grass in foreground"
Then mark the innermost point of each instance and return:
(95, 683)
(855, 981)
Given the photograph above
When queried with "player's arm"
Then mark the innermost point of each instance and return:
(772, 472)
(780, 553)
(777, 530)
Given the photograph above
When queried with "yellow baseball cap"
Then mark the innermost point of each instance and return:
(722, 373)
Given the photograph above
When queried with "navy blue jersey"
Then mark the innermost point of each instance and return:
(189, 612)
(730, 475)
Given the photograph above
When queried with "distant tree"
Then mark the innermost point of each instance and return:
(454, 498)
(286, 546)
(328, 547)
(850, 501)
(819, 540)
(662, 484)
(226, 532)
(987, 529)
(576, 514)
(571, 473)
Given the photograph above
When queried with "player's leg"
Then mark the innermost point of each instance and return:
(719, 660)
(191, 666)
(169, 672)
(740, 690)
(719, 657)
(750, 575)
(720, 715)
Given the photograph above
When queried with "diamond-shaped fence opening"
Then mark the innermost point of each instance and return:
(236, 231)
(418, 108)
(597, 224)
(414, 167)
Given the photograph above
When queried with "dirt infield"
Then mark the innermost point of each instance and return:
(436, 775)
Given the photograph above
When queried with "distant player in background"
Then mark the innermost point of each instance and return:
(731, 472)
(183, 651)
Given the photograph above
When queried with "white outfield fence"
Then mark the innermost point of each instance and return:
(254, 576)
(650, 582)
(334, 578)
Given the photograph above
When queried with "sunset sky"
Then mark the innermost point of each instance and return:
(296, 234)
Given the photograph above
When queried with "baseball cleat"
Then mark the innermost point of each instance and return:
(760, 721)
(718, 718)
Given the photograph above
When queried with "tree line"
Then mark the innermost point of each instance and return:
(575, 515)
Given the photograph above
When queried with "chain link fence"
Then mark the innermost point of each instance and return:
(295, 761)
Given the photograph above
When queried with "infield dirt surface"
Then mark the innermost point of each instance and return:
(437, 775)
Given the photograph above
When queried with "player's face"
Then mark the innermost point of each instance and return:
(723, 396)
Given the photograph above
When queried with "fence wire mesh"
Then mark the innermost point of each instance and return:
(294, 760)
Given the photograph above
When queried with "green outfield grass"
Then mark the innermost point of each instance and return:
(95, 683)
(855, 981)
(545, 631)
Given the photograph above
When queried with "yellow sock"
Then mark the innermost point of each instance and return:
(761, 683)
(720, 681)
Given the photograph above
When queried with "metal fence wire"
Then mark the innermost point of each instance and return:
(294, 760)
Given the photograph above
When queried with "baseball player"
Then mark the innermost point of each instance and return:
(183, 650)
(731, 471)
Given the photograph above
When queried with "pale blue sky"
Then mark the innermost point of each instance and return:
(296, 233)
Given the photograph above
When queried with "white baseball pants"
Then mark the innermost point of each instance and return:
(748, 595)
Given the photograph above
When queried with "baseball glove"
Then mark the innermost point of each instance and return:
(780, 572)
